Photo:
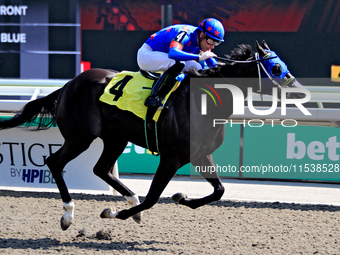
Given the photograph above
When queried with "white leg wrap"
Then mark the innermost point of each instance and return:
(69, 208)
(134, 200)
(113, 214)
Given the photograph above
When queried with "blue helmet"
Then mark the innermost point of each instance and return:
(212, 28)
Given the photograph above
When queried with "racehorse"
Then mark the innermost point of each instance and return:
(184, 134)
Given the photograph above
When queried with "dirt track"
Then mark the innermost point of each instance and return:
(30, 225)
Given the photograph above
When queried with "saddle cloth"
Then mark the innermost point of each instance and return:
(128, 91)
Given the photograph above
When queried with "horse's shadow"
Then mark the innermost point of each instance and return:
(276, 205)
(51, 243)
(163, 200)
(54, 195)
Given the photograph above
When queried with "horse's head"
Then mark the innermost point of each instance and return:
(275, 70)
(264, 64)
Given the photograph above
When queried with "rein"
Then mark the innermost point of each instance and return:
(233, 62)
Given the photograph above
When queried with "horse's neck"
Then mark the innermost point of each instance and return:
(240, 70)
(215, 94)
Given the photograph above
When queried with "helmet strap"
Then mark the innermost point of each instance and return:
(200, 38)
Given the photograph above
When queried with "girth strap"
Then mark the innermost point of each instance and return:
(150, 130)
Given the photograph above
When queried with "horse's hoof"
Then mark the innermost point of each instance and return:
(108, 213)
(178, 197)
(67, 218)
(137, 217)
(64, 224)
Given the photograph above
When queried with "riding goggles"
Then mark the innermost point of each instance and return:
(211, 41)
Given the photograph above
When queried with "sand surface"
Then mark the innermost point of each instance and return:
(30, 225)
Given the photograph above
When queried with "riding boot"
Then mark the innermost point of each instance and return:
(163, 86)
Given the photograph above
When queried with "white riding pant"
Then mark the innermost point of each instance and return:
(154, 61)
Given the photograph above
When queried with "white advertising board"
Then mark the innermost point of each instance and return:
(22, 161)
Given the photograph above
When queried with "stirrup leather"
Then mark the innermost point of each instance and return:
(163, 86)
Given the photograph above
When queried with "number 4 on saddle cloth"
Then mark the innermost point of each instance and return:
(128, 91)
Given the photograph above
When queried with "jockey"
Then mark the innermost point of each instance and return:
(180, 47)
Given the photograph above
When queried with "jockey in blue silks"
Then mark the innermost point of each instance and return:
(178, 48)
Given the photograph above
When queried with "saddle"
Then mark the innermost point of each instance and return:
(128, 91)
(150, 75)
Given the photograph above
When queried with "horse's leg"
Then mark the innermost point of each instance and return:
(56, 163)
(113, 148)
(166, 170)
(212, 177)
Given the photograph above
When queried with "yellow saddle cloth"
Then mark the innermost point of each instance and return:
(128, 91)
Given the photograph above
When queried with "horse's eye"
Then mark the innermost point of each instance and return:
(277, 70)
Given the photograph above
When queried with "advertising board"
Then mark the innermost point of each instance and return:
(270, 152)
(275, 152)
(23, 155)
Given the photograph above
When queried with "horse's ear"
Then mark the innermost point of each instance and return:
(260, 50)
(265, 45)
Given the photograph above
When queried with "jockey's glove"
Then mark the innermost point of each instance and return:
(205, 55)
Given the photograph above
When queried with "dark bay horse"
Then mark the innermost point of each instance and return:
(81, 118)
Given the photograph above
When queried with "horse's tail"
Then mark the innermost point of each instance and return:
(39, 113)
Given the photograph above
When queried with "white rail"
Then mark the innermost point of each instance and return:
(27, 89)
(32, 83)
(31, 89)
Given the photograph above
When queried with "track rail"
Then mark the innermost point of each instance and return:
(15, 93)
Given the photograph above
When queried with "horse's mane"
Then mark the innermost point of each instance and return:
(243, 52)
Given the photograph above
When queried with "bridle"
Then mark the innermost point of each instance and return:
(286, 80)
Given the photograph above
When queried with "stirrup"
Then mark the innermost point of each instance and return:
(163, 86)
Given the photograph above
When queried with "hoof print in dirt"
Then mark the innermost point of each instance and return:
(103, 235)
(81, 233)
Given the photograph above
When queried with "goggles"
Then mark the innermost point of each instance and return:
(211, 41)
